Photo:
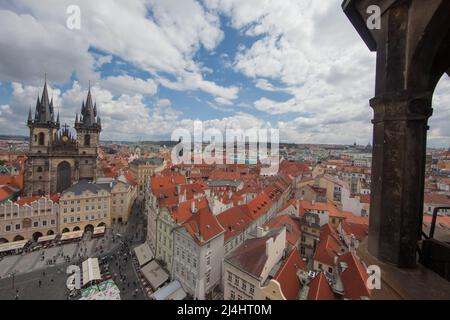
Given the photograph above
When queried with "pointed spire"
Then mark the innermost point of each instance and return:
(38, 107)
(45, 113)
(30, 119)
(57, 119)
(76, 118)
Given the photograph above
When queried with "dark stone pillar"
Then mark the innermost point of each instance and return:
(400, 131)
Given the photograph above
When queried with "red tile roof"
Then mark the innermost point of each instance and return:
(319, 289)
(259, 205)
(436, 198)
(28, 200)
(292, 234)
(359, 230)
(203, 226)
(350, 217)
(234, 220)
(354, 277)
(6, 193)
(329, 246)
(183, 211)
(287, 275)
(15, 181)
(329, 207)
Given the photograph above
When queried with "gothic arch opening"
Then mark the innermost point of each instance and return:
(64, 176)
(50, 232)
(87, 140)
(3, 240)
(41, 139)
(65, 230)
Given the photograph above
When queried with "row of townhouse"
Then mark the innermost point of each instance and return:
(190, 230)
(28, 218)
(270, 267)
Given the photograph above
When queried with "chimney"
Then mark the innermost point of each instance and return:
(259, 232)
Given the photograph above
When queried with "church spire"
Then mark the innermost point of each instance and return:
(30, 119)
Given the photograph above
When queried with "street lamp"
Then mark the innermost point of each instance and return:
(12, 276)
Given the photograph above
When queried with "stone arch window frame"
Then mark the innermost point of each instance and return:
(41, 139)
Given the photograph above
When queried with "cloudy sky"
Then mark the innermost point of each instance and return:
(158, 65)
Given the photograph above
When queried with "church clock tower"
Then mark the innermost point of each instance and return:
(56, 159)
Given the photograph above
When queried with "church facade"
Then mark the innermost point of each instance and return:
(56, 159)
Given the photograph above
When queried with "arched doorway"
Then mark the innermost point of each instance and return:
(89, 228)
(76, 229)
(50, 232)
(36, 236)
(18, 238)
(65, 230)
(64, 176)
(120, 220)
(102, 224)
(3, 240)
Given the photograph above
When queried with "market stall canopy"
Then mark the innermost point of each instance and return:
(143, 253)
(106, 290)
(72, 235)
(10, 246)
(155, 274)
(173, 291)
(46, 238)
(91, 271)
(99, 230)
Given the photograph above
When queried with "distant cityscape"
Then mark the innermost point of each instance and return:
(188, 231)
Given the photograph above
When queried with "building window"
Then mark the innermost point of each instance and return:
(232, 295)
(17, 226)
(41, 139)
(87, 140)
(252, 289)
(7, 228)
(44, 223)
(230, 276)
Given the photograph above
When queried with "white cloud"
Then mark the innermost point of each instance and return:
(130, 85)
(165, 41)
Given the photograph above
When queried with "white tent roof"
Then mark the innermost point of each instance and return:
(72, 235)
(47, 238)
(13, 245)
(91, 271)
(99, 230)
(173, 291)
(155, 274)
(143, 253)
